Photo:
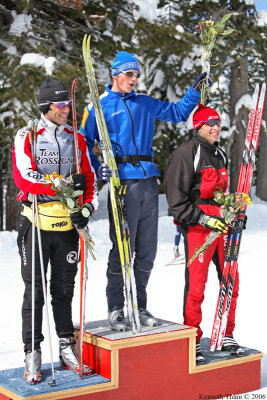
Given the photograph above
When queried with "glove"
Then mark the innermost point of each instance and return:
(214, 223)
(240, 223)
(79, 182)
(104, 173)
(200, 80)
(80, 218)
(244, 226)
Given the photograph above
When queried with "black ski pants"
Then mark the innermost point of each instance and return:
(141, 203)
(61, 250)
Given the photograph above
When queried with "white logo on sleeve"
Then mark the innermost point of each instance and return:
(72, 257)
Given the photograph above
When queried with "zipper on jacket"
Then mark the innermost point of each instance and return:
(59, 155)
(137, 153)
(216, 154)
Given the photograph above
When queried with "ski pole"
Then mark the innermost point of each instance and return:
(30, 128)
(36, 214)
(53, 383)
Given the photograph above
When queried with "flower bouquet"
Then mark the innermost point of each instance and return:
(230, 203)
(68, 196)
(211, 34)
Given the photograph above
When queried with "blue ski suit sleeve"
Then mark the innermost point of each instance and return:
(176, 112)
(130, 120)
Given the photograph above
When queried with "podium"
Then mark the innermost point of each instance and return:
(157, 363)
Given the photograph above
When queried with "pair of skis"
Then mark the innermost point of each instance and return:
(117, 195)
(234, 238)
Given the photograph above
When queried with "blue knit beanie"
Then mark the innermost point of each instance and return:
(123, 62)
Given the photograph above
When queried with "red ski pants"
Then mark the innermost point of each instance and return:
(197, 273)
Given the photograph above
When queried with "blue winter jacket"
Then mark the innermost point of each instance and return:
(130, 121)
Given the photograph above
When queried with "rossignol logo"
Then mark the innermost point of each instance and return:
(223, 293)
(212, 117)
(59, 224)
(72, 257)
(23, 252)
(257, 123)
(52, 158)
(201, 258)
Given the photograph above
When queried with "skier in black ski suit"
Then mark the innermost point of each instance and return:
(130, 119)
(60, 240)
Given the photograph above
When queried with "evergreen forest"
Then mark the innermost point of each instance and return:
(42, 38)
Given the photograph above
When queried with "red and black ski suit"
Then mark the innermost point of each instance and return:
(54, 153)
(197, 169)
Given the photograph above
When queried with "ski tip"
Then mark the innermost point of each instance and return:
(86, 40)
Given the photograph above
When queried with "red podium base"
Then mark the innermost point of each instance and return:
(157, 363)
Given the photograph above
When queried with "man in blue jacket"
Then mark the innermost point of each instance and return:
(130, 121)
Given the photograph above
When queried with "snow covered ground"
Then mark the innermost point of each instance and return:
(165, 290)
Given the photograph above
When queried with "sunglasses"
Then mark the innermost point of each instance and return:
(131, 74)
(62, 104)
(213, 123)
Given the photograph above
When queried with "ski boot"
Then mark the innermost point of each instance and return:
(147, 319)
(117, 320)
(68, 358)
(33, 376)
(229, 344)
(176, 252)
(199, 355)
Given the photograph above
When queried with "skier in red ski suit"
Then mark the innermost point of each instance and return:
(197, 169)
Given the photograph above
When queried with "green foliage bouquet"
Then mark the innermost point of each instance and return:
(211, 34)
(68, 196)
(230, 203)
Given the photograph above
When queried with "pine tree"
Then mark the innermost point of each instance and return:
(172, 52)
(52, 29)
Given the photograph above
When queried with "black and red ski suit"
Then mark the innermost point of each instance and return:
(197, 169)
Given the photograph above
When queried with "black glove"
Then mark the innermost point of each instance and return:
(214, 223)
(200, 80)
(240, 223)
(80, 218)
(79, 182)
(245, 222)
(104, 173)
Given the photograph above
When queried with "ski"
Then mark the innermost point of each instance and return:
(177, 260)
(238, 228)
(117, 194)
(234, 238)
(83, 247)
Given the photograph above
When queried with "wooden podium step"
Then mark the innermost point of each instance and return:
(157, 363)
